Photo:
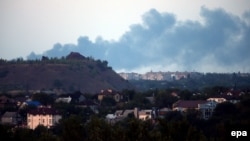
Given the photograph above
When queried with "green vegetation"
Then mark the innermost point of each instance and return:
(81, 124)
(69, 73)
(173, 127)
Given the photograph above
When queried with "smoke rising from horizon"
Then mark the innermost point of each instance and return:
(220, 43)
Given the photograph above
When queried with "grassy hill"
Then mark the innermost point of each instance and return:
(71, 73)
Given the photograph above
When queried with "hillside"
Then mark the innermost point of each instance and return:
(71, 73)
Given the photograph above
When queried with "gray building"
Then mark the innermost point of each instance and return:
(10, 118)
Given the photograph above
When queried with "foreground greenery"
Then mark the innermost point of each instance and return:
(173, 127)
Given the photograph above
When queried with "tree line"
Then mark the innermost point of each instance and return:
(81, 125)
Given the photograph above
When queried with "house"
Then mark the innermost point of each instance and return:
(217, 99)
(45, 116)
(143, 114)
(123, 113)
(88, 103)
(110, 93)
(184, 105)
(12, 118)
(232, 96)
(66, 99)
(207, 109)
(111, 118)
(30, 103)
(77, 97)
(162, 112)
(118, 115)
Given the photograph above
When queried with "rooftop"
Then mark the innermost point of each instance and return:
(43, 111)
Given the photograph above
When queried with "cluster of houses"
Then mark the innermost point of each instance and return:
(169, 76)
(205, 108)
(41, 115)
(48, 116)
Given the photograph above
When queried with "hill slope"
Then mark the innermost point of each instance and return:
(73, 73)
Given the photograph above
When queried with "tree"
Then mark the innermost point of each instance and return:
(73, 129)
(23, 134)
(5, 132)
(185, 94)
(225, 110)
(165, 99)
(43, 99)
(41, 133)
(173, 116)
(194, 135)
(108, 101)
(99, 130)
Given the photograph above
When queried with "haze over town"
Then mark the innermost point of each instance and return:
(133, 36)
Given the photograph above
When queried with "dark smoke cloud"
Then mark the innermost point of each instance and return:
(220, 43)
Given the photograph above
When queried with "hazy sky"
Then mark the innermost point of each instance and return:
(159, 34)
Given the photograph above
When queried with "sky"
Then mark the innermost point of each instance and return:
(132, 35)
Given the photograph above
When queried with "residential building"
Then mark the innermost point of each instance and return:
(162, 112)
(66, 99)
(184, 105)
(30, 103)
(90, 104)
(123, 113)
(207, 109)
(217, 99)
(110, 93)
(45, 116)
(10, 118)
(143, 114)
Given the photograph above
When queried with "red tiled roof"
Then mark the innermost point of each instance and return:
(188, 103)
(44, 111)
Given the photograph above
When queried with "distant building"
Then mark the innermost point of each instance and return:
(217, 99)
(232, 96)
(162, 112)
(184, 105)
(66, 99)
(10, 118)
(47, 117)
(30, 103)
(90, 104)
(123, 113)
(144, 114)
(207, 109)
(110, 93)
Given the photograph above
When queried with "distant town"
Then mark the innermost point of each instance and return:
(170, 76)
(82, 99)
